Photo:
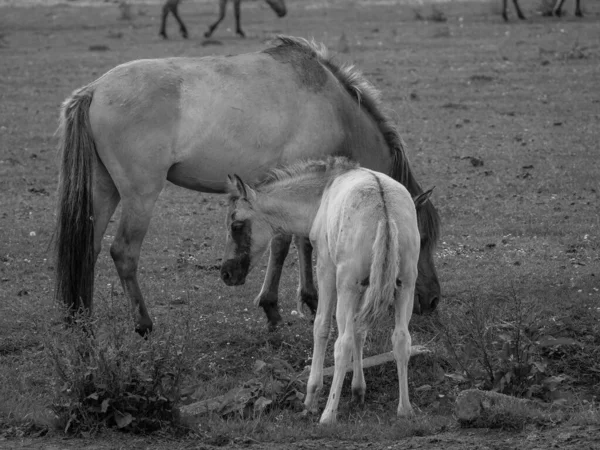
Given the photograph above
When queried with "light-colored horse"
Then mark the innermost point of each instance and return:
(171, 6)
(363, 225)
(194, 120)
(556, 11)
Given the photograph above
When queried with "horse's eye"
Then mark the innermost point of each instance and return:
(237, 226)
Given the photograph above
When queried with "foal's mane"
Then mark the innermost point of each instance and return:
(329, 168)
(369, 98)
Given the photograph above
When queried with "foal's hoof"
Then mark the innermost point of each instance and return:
(310, 299)
(240, 33)
(163, 35)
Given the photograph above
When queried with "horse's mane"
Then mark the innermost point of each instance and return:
(369, 98)
(332, 166)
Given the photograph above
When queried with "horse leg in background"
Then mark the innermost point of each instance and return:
(401, 341)
(348, 297)
(182, 28)
(163, 24)
(322, 326)
(222, 8)
(237, 12)
(125, 250)
(267, 298)
(307, 293)
(519, 12)
(557, 11)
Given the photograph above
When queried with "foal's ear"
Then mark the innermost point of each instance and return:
(423, 198)
(235, 186)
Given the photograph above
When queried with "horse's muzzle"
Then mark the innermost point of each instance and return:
(232, 273)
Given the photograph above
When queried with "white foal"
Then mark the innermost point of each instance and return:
(364, 227)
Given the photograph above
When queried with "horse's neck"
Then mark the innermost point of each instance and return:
(292, 210)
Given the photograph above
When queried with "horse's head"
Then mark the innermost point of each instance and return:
(247, 235)
(427, 291)
(278, 6)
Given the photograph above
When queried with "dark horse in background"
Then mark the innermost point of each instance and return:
(171, 6)
(556, 11)
(193, 121)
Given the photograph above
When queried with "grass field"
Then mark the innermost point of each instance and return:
(504, 119)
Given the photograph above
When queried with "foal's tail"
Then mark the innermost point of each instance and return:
(379, 295)
(75, 227)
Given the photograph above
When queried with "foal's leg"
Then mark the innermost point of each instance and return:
(182, 28)
(322, 326)
(504, 10)
(125, 250)
(578, 12)
(519, 12)
(267, 298)
(347, 303)
(307, 294)
(359, 386)
(236, 10)
(211, 29)
(401, 341)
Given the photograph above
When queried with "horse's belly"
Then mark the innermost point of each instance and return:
(207, 169)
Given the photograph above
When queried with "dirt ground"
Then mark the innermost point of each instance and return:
(522, 98)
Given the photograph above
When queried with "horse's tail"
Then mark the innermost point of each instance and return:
(74, 265)
(379, 295)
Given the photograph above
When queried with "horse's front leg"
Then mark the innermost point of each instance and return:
(212, 28)
(238, 16)
(182, 28)
(267, 298)
(163, 23)
(307, 293)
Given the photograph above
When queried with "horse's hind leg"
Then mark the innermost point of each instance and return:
(238, 16)
(267, 298)
(401, 341)
(307, 293)
(125, 250)
(518, 8)
(182, 28)
(213, 27)
(163, 22)
(106, 199)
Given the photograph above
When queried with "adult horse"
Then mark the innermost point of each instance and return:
(364, 227)
(556, 11)
(194, 120)
(171, 6)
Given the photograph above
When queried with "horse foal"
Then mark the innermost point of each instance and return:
(364, 227)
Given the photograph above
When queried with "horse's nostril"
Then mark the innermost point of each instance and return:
(434, 303)
(225, 275)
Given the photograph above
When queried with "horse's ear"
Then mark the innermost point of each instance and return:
(242, 188)
(423, 198)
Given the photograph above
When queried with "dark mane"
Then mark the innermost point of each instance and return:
(369, 98)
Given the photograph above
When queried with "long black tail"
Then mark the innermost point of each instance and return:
(74, 265)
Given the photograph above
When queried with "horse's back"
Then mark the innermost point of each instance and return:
(202, 118)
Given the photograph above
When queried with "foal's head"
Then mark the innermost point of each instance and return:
(278, 6)
(248, 234)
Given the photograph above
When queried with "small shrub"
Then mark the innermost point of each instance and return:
(493, 345)
(112, 379)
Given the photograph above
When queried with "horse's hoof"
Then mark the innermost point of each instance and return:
(143, 330)
(241, 34)
(163, 35)
(309, 299)
(207, 34)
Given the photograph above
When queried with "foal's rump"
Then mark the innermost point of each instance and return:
(371, 228)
